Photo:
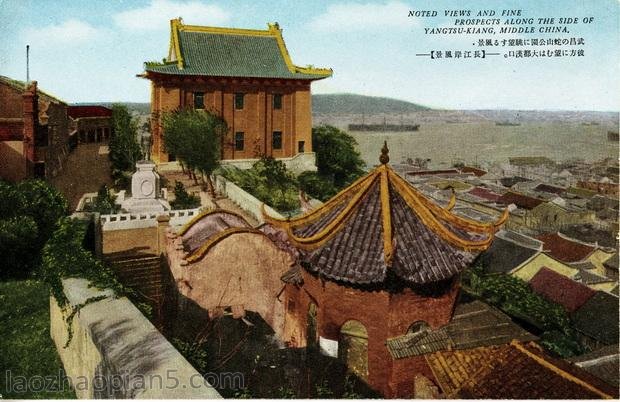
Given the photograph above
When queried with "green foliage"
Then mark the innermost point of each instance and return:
(561, 344)
(323, 390)
(104, 203)
(25, 341)
(183, 200)
(269, 181)
(193, 352)
(29, 211)
(286, 393)
(317, 186)
(513, 296)
(195, 137)
(243, 393)
(337, 160)
(125, 150)
(349, 389)
(65, 257)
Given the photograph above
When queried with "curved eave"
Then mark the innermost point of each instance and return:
(214, 240)
(204, 214)
(433, 216)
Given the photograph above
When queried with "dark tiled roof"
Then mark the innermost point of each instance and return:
(484, 194)
(76, 112)
(549, 189)
(511, 181)
(612, 263)
(530, 161)
(560, 289)
(520, 200)
(473, 324)
(207, 225)
(293, 276)
(514, 371)
(503, 256)
(588, 277)
(476, 171)
(598, 318)
(565, 249)
(603, 363)
(224, 52)
(381, 222)
(420, 343)
(432, 172)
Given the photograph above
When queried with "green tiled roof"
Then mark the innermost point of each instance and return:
(231, 53)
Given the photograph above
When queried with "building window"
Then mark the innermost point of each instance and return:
(277, 101)
(239, 141)
(199, 100)
(276, 140)
(301, 147)
(239, 100)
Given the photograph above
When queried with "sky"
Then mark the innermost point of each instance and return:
(91, 51)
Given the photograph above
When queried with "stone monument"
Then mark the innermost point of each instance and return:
(146, 194)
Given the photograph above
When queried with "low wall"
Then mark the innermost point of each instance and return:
(145, 220)
(243, 199)
(297, 164)
(117, 353)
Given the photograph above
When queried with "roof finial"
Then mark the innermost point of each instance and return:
(384, 158)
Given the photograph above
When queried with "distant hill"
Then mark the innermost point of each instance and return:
(358, 104)
(321, 104)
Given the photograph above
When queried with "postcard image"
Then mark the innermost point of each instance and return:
(344, 199)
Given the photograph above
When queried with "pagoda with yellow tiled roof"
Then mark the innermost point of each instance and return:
(378, 260)
(382, 223)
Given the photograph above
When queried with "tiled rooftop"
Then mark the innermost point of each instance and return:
(513, 371)
(560, 289)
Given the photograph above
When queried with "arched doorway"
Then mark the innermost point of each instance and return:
(353, 348)
(311, 333)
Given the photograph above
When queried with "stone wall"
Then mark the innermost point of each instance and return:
(145, 220)
(297, 164)
(243, 199)
(115, 352)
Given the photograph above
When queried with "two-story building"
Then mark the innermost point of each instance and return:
(245, 76)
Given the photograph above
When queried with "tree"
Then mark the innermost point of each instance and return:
(195, 137)
(336, 156)
(125, 149)
(29, 212)
(337, 160)
(182, 199)
(275, 173)
(104, 203)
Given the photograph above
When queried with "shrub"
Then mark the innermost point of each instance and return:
(513, 296)
(316, 186)
(269, 181)
(183, 200)
(104, 202)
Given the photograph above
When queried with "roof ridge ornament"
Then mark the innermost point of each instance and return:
(384, 158)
